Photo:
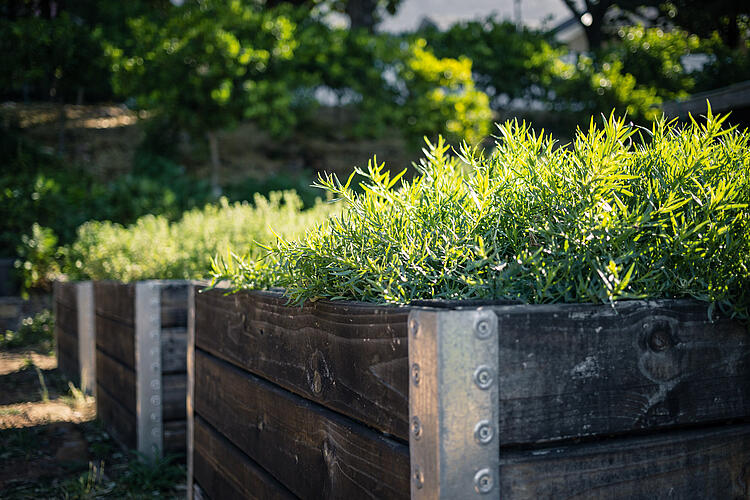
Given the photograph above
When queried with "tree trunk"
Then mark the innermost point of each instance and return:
(213, 144)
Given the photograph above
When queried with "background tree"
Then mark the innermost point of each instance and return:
(209, 66)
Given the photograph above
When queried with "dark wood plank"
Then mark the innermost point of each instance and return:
(117, 379)
(350, 357)
(174, 392)
(314, 452)
(66, 318)
(223, 471)
(174, 297)
(115, 300)
(117, 420)
(67, 356)
(174, 437)
(696, 464)
(174, 350)
(65, 293)
(568, 371)
(116, 339)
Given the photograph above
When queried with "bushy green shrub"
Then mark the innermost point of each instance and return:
(394, 83)
(155, 248)
(507, 61)
(34, 330)
(620, 213)
(655, 58)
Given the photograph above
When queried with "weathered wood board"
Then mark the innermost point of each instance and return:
(690, 464)
(314, 452)
(74, 332)
(646, 396)
(349, 357)
(127, 365)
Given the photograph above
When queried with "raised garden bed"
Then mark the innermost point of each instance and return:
(73, 304)
(141, 379)
(649, 399)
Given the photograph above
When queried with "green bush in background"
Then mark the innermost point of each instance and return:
(620, 213)
(155, 248)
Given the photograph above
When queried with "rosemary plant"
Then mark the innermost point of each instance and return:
(620, 213)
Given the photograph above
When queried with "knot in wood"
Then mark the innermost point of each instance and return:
(328, 453)
(660, 340)
(318, 374)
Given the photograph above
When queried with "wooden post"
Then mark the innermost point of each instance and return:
(453, 404)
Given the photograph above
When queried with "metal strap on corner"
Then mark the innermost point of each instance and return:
(148, 367)
(453, 404)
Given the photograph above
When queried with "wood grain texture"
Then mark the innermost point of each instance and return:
(568, 371)
(313, 451)
(67, 355)
(173, 393)
(117, 379)
(66, 318)
(117, 339)
(173, 296)
(174, 350)
(117, 419)
(694, 464)
(223, 471)
(65, 293)
(115, 301)
(175, 437)
(350, 357)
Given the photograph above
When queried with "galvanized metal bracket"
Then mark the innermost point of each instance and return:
(453, 404)
(86, 336)
(193, 491)
(148, 367)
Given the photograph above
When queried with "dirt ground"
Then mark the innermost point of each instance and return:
(52, 446)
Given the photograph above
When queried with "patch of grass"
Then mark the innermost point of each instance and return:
(151, 476)
(19, 443)
(620, 213)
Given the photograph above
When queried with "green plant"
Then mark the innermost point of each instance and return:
(210, 65)
(150, 475)
(36, 330)
(523, 71)
(621, 212)
(154, 247)
(39, 258)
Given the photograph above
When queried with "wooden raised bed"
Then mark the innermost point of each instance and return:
(73, 305)
(348, 400)
(141, 342)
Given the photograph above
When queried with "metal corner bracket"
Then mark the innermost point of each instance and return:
(453, 404)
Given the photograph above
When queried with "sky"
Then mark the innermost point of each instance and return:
(446, 12)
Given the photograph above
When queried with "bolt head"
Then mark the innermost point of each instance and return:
(414, 327)
(484, 481)
(415, 373)
(483, 329)
(418, 478)
(484, 432)
(483, 377)
(416, 427)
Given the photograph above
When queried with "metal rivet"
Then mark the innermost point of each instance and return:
(418, 478)
(483, 329)
(416, 427)
(483, 377)
(483, 481)
(414, 327)
(484, 432)
(415, 373)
